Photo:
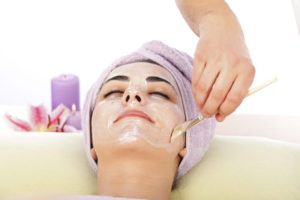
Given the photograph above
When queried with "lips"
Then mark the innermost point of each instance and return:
(134, 113)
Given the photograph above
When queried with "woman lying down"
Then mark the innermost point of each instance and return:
(129, 116)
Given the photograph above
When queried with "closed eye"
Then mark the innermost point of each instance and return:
(112, 92)
(160, 94)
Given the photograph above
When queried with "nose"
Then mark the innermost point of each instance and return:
(133, 97)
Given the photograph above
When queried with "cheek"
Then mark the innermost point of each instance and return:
(168, 115)
(103, 116)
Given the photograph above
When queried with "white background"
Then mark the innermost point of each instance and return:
(42, 39)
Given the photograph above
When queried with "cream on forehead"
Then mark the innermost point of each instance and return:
(139, 68)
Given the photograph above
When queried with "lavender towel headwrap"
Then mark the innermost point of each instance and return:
(179, 65)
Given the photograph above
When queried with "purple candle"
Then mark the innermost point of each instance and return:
(74, 119)
(65, 90)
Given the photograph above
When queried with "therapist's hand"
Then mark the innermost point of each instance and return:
(222, 71)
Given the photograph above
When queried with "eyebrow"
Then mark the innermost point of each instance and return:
(157, 79)
(148, 79)
(118, 78)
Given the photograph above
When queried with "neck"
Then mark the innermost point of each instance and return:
(135, 178)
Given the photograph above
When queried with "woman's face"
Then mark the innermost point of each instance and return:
(138, 102)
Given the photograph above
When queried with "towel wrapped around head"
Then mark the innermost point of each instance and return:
(179, 65)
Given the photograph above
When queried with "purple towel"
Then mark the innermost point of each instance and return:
(179, 64)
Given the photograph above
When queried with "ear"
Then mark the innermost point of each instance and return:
(182, 152)
(94, 154)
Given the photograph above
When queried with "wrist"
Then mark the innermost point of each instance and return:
(218, 22)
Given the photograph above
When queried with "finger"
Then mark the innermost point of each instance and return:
(236, 94)
(198, 68)
(218, 92)
(219, 117)
(94, 154)
(204, 84)
(199, 62)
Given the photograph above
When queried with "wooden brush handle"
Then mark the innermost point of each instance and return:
(261, 86)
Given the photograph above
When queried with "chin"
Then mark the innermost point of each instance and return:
(133, 142)
(133, 147)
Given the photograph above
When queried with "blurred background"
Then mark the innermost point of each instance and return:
(43, 39)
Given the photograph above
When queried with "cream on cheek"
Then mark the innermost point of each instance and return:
(103, 117)
(167, 115)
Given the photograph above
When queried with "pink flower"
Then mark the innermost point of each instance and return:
(41, 121)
